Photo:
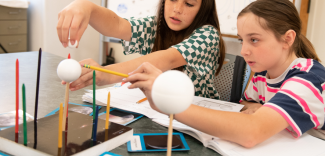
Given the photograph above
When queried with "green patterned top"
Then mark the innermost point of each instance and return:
(200, 50)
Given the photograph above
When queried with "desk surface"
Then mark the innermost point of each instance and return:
(51, 94)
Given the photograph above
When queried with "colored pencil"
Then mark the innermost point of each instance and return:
(144, 99)
(94, 94)
(60, 126)
(94, 104)
(17, 96)
(107, 110)
(36, 96)
(24, 116)
(170, 135)
(105, 70)
(106, 134)
(95, 125)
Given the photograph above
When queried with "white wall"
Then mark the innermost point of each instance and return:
(316, 27)
(43, 18)
(35, 24)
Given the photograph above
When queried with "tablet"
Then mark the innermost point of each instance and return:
(121, 117)
(154, 142)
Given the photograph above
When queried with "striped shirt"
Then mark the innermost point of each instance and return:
(297, 94)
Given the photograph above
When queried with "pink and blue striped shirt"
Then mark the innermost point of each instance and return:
(298, 95)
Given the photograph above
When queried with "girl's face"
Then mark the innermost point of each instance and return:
(179, 14)
(260, 48)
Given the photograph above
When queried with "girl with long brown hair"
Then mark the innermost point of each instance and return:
(286, 93)
(184, 33)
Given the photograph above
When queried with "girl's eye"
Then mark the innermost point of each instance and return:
(254, 40)
(241, 41)
(188, 4)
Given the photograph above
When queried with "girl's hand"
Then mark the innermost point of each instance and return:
(86, 77)
(74, 18)
(143, 78)
(250, 107)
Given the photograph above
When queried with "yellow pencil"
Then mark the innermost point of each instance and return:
(107, 109)
(105, 70)
(144, 99)
(60, 126)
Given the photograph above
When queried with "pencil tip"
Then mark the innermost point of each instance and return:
(69, 56)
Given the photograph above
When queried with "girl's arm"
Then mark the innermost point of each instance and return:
(75, 18)
(250, 107)
(163, 60)
(244, 129)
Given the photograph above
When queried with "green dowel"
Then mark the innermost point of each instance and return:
(24, 116)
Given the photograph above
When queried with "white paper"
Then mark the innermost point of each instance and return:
(281, 144)
(136, 143)
(125, 99)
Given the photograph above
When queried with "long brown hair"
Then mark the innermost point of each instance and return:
(281, 16)
(165, 37)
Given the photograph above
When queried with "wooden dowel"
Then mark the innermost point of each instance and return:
(65, 111)
(170, 135)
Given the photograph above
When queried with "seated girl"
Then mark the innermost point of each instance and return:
(286, 92)
(183, 34)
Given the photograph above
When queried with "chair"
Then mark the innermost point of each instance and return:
(231, 81)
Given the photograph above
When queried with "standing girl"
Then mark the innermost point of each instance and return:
(288, 88)
(184, 33)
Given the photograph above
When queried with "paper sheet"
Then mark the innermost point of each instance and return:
(124, 98)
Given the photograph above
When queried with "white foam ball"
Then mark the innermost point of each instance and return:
(73, 46)
(172, 92)
(69, 70)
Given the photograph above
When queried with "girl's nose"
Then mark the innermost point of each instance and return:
(178, 7)
(244, 50)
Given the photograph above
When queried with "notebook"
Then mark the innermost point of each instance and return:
(125, 99)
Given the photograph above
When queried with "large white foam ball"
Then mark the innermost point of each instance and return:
(69, 70)
(172, 92)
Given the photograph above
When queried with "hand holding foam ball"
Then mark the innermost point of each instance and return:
(72, 46)
(172, 92)
(69, 70)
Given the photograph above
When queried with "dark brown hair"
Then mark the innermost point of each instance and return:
(281, 16)
(165, 37)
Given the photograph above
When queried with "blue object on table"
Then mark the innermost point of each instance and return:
(133, 113)
(57, 109)
(2, 154)
(109, 154)
(142, 145)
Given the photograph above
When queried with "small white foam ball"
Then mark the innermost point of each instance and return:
(73, 46)
(69, 70)
(172, 92)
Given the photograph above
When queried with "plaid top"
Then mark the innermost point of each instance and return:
(200, 50)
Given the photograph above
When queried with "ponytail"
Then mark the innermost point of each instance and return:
(305, 49)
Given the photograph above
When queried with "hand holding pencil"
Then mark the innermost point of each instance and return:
(86, 75)
(105, 70)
